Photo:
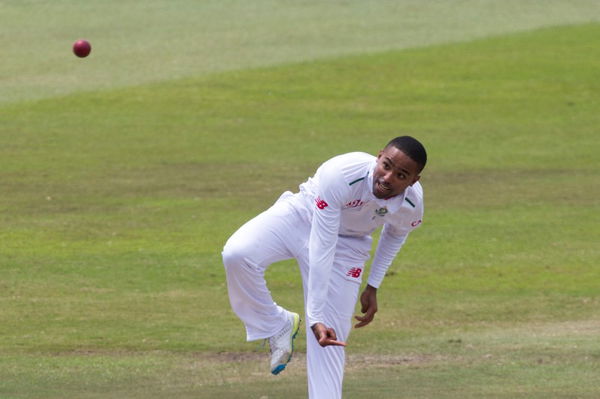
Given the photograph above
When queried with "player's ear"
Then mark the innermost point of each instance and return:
(416, 179)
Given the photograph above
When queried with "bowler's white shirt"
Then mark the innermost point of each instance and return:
(339, 201)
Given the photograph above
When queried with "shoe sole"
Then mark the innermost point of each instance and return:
(296, 328)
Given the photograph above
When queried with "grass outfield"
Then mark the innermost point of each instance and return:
(155, 40)
(115, 205)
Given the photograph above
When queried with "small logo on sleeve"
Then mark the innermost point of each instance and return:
(320, 203)
(354, 272)
(416, 223)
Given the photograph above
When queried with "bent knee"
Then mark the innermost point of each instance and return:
(233, 255)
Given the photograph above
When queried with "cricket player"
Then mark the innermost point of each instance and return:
(327, 228)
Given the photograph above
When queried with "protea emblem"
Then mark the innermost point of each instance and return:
(381, 211)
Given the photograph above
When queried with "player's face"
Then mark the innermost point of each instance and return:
(393, 173)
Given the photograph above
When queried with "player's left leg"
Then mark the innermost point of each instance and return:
(325, 365)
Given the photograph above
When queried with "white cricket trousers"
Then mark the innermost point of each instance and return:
(279, 233)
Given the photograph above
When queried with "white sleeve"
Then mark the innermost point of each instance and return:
(393, 237)
(387, 248)
(323, 240)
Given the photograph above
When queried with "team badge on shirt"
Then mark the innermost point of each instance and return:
(381, 211)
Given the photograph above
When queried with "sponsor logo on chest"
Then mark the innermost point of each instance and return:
(354, 204)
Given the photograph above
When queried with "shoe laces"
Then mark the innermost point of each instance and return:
(275, 338)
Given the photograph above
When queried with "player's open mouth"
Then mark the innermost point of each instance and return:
(383, 188)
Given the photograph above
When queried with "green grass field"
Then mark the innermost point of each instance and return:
(122, 177)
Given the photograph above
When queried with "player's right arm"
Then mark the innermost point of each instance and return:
(322, 244)
(326, 335)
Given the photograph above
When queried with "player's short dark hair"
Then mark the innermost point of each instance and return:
(411, 147)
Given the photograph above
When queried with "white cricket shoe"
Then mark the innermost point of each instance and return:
(282, 343)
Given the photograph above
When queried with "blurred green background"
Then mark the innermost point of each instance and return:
(124, 173)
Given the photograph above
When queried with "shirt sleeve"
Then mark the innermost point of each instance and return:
(387, 248)
(390, 242)
(322, 241)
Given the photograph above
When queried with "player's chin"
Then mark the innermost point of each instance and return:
(378, 194)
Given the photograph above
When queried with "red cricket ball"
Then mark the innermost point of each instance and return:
(82, 48)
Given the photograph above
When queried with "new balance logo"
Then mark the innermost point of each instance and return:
(320, 203)
(354, 272)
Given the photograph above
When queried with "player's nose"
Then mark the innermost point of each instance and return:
(388, 177)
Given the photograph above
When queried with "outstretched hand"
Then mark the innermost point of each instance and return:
(368, 301)
(326, 335)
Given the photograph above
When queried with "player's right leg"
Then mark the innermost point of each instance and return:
(268, 238)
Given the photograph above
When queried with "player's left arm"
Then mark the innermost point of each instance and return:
(390, 242)
(387, 248)
(368, 303)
